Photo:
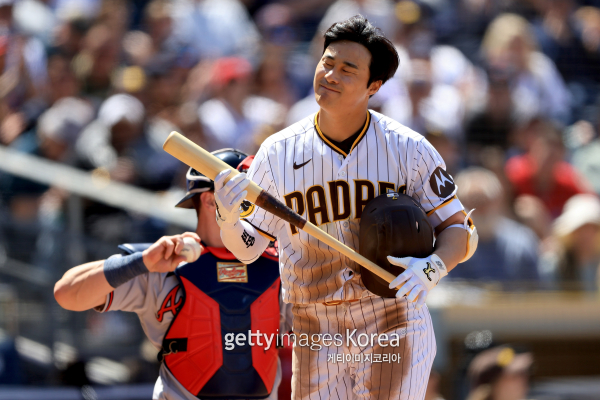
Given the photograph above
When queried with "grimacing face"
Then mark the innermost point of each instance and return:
(341, 77)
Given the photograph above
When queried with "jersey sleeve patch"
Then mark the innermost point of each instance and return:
(441, 183)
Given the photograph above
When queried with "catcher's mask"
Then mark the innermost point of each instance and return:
(395, 225)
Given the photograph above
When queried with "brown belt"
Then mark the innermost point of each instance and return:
(338, 302)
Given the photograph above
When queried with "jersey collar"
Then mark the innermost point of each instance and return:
(220, 252)
(333, 146)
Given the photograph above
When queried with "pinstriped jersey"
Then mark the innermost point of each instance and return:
(330, 188)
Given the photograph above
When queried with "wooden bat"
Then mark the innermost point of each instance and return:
(202, 161)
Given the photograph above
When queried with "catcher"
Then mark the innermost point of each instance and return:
(188, 309)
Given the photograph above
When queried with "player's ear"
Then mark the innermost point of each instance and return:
(374, 87)
(207, 201)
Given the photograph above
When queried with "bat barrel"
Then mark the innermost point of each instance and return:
(201, 160)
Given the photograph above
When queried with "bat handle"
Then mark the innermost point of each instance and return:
(274, 206)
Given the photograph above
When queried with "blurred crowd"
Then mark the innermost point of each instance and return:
(508, 91)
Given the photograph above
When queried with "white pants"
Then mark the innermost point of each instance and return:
(369, 370)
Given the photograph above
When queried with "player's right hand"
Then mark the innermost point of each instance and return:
(163, 255)
(229, 197)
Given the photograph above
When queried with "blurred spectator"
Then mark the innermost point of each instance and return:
(536, 85)
(157, 42)
(463, 23)
(62, 81)
(35, 18)
(57, 131)
(272, 81)
(441, 73)
(98, 58)
(426, 106)
(118, 144)
(500, 373)
(556, 32)
(215, 28)
(416, 39)
(448, 149)
(542, 171)
(379, 12)
(507, 250)
(22, 77)
(532, 212)
(587, 20)
(276, 24)
(59, 128)
(492, 125)
(234, 118)
(302, 108)
(586, 152)
(69, 36)
(571, 257)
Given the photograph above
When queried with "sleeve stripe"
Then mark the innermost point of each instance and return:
(445, 203)
(107, 303)
(263, 233)
(110, 300)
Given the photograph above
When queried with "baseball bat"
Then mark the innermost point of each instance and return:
(202, 161)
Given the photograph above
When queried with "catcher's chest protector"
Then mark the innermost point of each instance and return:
(222, 295)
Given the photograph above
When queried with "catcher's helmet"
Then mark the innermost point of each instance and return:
(396, 225)
(198, 183)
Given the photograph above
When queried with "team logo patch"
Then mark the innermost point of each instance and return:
(232, 272)
(441, 183)
(169, 304)
(247, 209)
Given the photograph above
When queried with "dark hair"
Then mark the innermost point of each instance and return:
(384, 57)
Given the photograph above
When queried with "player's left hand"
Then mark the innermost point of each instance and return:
(421, 275)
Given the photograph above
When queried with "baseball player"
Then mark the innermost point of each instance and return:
(188, 309)
(327, 167)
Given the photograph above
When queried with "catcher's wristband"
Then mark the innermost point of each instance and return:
(118, 270)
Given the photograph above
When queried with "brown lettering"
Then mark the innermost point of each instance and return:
(360, 201)
(334, 192)
(384, 187)
(299, 208)
(321, 208)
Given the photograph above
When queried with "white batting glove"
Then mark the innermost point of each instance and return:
(421, 275)
(229, 197)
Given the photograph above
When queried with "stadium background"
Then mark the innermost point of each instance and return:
(506, 90)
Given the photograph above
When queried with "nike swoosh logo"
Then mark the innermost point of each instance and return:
(296, 166)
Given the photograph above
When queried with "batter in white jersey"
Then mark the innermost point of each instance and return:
(327, 167)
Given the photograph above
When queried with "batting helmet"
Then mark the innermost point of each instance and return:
(395, 225)
(198, 183)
